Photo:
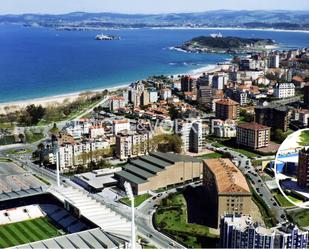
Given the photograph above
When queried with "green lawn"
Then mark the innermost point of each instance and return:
(26, 231)
(18, 152)
(304, 138)
(171, 218)
(227, 144)
(5, 160)
(211, 155)
(138, 200)
(301, 218)
(284, 202)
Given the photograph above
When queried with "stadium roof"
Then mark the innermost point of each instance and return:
(4, 196)
(140, 170)
(94, 238)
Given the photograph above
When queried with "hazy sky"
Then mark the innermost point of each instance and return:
(144, 6)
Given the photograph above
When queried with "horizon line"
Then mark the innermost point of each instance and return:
(153, 13)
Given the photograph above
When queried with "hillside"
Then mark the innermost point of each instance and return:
(226, 44)
(218, 18)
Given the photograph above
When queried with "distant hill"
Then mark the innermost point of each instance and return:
(226, 44)
(219, 18)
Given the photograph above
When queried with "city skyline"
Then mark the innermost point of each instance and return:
(140, 7)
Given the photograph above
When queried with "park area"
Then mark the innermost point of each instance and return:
(27, 231)
(301, 218)
(171, 218)
(138, 200)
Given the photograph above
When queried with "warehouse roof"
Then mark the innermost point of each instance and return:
(140, 170)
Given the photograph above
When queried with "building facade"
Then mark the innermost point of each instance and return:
(159, 170)
(284, 90)
(132, 144)
(223, 129)
(227, 109)
(226, 188)
(275, 117)
(253, 135)
(303, 168)
(239, 231)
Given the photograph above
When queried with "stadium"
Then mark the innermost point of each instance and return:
(33, 215)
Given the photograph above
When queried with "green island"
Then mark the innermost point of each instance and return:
(230, 44)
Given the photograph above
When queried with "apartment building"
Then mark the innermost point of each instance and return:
(120, 125)
(131, 144)
(253, 135)
(226, 188)
(227, 109)
(239, 231)
(284, 90)
(223, 129)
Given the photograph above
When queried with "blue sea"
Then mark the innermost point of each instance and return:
(40, 62)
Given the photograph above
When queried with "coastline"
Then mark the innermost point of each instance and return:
(59, 99)
(233, 28)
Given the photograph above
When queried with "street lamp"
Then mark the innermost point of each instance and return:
(130, 195)
(58, 166)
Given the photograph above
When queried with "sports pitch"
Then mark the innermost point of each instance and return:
(26, 231)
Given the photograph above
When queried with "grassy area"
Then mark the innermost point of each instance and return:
(300, 218)
(268, 215)
(5, 160)
(33, 137)
(284, 202)
(26, 231)
(171, 218)
(7, 140)
(6, 125)
(43, 180)
(211, 155)
(304, 138)
(138, 200)
(18, 152)
(245, 152)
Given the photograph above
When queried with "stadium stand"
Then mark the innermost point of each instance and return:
(20, 214)
(94, 211)
(62, 217)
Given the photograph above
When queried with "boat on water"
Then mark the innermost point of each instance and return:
(103, 37)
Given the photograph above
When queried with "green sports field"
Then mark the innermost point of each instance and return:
(26, 231)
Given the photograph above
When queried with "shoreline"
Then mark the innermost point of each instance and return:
(59, 99)
(234, 28)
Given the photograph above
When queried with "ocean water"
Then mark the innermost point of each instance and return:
(39, 62)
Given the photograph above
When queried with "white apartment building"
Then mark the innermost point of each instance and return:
(153, 95)
(193, 134)
(96, 131)
(120, 125)
(165, 93)
(79, 128)
(69, 155)
(284, 90)
(131, 144)
(219, 80)
(223, 129)
(116, 102)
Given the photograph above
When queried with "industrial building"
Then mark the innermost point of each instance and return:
(159, 170)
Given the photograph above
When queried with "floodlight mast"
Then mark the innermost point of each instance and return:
(130, 195)
(58, 167)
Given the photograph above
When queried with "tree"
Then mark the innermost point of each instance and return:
(174, 113)
(54, 130)
(36, 113)
(21, 137)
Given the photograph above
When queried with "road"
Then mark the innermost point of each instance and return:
(258, 185)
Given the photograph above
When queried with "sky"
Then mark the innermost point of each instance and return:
(144, 6)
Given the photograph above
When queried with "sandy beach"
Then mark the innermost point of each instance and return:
(51, 100)
(59, 99)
